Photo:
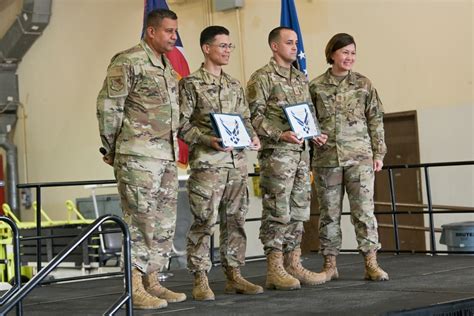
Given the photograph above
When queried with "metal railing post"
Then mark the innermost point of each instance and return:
(394, 210)
(127, 265)
(430, 211)
(38, 227)
(16, 260)
(211, 254)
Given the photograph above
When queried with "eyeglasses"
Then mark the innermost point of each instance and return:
(224, 46)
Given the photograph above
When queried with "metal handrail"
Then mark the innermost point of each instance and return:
(16, 259)
(409, 212)
(394, 212)
(430, 164)
(125, 298)
(435, 206)
(63, 184)
(426, 167)
(38, 187)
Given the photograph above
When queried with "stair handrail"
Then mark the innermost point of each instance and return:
(16, 258)
(125, 298)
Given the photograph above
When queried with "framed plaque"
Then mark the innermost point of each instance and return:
(301, 120)
(231, 129)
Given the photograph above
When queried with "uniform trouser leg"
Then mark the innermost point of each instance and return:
(331, 183)
(233, 209)
(148, 190)
(216, 191)
(330, 192)
(359, 181)
(285, 186)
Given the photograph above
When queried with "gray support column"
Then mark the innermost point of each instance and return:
(28, 26)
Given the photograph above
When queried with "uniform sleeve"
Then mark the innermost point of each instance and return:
(374, 113)
(258, 92)
(111, 101)
(311, 104)
(314, 99)
(188, 132)
(243, 109)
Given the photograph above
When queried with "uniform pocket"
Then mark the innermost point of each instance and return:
(131, 172)
(329, 180)
(152, 89)
(324, 105)
(208, 98)
(274, 198)
(200, 199)
(366, 181)
(136, 200)
(199, 189)
(356, 102)
(276, 203)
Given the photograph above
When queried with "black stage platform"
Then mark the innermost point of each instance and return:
(419, 285)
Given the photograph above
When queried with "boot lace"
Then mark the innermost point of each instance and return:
(144, 294)
(372, 264)
(203, 285)
(281, 271)
(328, 264)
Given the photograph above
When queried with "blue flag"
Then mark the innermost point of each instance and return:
(289, 18)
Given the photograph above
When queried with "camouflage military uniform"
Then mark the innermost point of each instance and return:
(351, 114)
(218, 181)
(284, 167)
(138, 118)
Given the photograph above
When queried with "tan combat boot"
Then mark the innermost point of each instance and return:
(277, 277)
(141, 298)
(372, 270)
(153, 286)
(201, 289)
(329, 268)
(237, 284)
(293, 266)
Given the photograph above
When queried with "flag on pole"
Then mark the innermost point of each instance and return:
(179, 63)
(289, 18)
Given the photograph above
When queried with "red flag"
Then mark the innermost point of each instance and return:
(180, 65)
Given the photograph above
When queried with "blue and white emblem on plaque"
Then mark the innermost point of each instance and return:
(231, 129)
(301, 121)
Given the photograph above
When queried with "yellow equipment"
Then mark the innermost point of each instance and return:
(7, 271)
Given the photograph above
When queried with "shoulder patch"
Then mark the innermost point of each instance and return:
(252, 91)
(117, 85)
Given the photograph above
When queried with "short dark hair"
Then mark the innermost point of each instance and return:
(208, 34)
(155, 17)
(274, 34)
(338, 41)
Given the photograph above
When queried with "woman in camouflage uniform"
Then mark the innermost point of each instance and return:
(350, 113)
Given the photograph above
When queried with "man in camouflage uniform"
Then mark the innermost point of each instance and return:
(218, 181)
(138, 117)
(351, 115)
(284, 162)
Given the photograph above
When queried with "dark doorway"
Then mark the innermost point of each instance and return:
(401, 136)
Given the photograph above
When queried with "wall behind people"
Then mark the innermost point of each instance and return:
(418, 54)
